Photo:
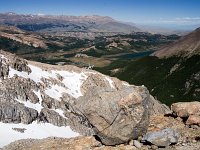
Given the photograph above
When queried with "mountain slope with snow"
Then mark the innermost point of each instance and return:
(34, 98)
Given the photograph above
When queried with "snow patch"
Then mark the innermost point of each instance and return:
(37, 74)
(126, 84)
(34, 130)
(60, 112)
(55, 92)
(73, 82)
(38, 94)
(13, 72)
(28, 104)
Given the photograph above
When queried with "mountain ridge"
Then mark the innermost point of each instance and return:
(187, 46)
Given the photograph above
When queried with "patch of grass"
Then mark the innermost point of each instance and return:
(98, 62)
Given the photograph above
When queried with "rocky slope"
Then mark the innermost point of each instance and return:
(39, 99)
(165, 132)
(187, 46)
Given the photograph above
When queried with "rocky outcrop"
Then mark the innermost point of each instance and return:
(3, 68)
(15, 62)
(19, 65)
(52, 117)
(16, 113)
(188, 139)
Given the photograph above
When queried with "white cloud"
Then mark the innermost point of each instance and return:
(40, 14)
(181, 20)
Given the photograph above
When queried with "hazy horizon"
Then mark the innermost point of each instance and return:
(171, 14)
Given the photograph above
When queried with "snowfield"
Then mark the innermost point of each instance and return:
(34, 130)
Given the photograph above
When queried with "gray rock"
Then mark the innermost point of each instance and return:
(20, 64)
(162, 138)
(16, 113)
(52, 117)
(21, 130)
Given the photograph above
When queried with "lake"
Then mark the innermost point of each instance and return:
(135, 55)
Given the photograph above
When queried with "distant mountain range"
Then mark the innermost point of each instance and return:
(63, 23)
(67, 25)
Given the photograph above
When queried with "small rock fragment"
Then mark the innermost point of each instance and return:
(137, 144)
(154, 147)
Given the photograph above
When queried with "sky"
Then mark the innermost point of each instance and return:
(164, 13)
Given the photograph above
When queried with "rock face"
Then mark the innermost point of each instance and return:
(52, 117)
(87, 101)
(116, 115)
(16, 113)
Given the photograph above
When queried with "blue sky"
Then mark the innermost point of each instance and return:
(173, 13)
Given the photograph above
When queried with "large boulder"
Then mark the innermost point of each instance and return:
(117, 113)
